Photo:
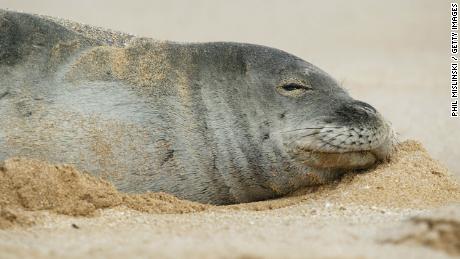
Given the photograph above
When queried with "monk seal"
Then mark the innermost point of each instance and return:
(217, 123)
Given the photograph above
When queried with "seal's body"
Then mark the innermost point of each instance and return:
(211, 122)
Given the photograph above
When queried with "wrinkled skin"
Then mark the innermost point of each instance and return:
(217, 123)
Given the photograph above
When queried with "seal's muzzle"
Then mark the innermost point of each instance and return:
(355, 136)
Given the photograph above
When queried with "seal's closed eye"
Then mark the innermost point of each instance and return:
(293, 86)
(293, 89)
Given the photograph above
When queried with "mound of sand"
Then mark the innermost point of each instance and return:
(411, 180)
(32, 185)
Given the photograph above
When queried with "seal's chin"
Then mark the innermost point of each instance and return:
(344, 161)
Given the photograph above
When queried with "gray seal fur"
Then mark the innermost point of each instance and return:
(214, 122)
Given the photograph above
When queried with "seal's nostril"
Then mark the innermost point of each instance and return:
(365, 106)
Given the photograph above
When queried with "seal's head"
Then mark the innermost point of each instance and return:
(317, 123)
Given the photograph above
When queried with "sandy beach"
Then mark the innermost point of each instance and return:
(393, 55)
